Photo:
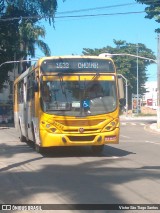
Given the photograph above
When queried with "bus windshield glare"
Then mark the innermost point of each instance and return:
(78, 98)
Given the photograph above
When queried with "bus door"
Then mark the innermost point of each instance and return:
(30, 105)
(25, 111)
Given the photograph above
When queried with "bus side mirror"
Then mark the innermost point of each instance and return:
(120, 87)
(35, 86)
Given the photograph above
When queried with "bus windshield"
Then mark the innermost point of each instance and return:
(78, 98)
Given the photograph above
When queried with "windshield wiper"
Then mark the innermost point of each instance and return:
(97, 75)
(61, 84)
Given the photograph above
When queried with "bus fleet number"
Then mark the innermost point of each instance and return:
(62, 65)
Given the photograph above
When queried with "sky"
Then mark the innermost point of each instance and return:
(71, 34)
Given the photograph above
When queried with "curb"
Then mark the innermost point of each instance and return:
(154, 127)
(153, 119)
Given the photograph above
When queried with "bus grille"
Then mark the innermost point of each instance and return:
(76, 130)
(81, 138)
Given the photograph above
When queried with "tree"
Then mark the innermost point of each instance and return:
(29, 37)
(152, 10)
(38, 8)
(8, 45)
(127, 65)
(19, 35)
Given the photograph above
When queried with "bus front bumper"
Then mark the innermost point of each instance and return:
(50, 139)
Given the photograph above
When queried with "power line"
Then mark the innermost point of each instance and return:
(84, 10)
(74, 16)
(105, 7)
(102, 14)
(96, 8)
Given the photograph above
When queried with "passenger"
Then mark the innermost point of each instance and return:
(96, 91)
(46, 93)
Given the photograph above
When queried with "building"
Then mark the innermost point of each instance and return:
(150, 97)
(6, 98)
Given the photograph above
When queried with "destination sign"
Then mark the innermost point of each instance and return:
(77, 65)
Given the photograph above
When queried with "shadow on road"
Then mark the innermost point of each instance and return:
(74, 175)
(100, 180)
(59, 152)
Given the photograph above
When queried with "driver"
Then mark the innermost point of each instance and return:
(95, 91)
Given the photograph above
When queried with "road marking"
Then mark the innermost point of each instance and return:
(152, 142)
(115, 157)
(124, 136)
(132, 124)
(129, 141)
(133, 141)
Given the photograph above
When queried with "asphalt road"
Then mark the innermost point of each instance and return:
(126, 173)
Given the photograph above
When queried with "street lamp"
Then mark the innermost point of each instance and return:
(126, 54)
(11, 62)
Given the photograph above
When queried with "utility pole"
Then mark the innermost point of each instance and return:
(158, 81)
(137, 83)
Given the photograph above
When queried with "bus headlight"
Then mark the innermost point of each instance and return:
(49, 127)
(52, 129)
(112, 125)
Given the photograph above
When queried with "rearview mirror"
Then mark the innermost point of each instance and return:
(120, 87)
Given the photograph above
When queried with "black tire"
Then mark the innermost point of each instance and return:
(98, 149)
(22, 138)
(33, 135)
(38, 148)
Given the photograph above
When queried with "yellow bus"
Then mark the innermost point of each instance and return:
(69, 101)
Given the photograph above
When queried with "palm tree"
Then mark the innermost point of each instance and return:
(18, 41)
(29, 34)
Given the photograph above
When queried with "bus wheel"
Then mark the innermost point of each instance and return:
(98, 149)
(38, 148)
(21, 137)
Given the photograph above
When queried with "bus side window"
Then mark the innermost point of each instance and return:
(46, 92)
(30, 87)
(20, 92)
(35, 81)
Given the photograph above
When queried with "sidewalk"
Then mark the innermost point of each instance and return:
(154, 127)
(153, 119)
(6, 126)
(130, 117)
